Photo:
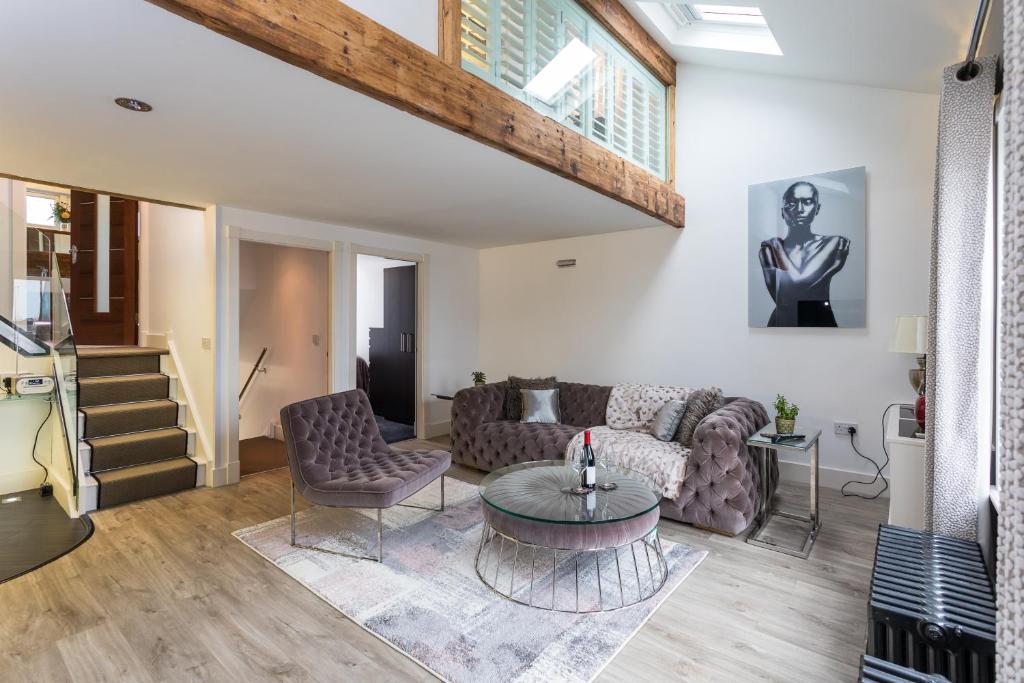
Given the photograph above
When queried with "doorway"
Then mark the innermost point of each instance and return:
(386, 342)
(283, 325)
(104, 303)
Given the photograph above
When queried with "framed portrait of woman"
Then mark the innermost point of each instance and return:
(806, 251)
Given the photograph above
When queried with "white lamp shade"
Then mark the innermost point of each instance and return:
(910, 335)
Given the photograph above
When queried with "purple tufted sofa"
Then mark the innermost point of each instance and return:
(722, 483)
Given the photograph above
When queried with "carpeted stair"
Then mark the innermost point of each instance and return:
(138, 448)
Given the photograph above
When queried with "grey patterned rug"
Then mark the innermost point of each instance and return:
(427, 602)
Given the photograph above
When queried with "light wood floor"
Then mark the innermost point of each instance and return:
(163, 592)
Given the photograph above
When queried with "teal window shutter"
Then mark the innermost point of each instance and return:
(616, 102)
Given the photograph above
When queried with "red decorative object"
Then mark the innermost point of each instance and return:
(919, 408)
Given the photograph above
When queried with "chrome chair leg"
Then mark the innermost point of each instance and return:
(442, 493)
(293, 513)
(380, 537)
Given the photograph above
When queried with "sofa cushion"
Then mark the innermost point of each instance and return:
(666, 422)
(506, 442)
(663, 462)
(633, 406)
(702, 403)
(583, 405)
(513, 397)
(540, 406)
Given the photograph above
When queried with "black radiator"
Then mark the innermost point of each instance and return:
(874, 670)
(932, 607)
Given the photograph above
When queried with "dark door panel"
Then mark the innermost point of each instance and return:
(117, 326)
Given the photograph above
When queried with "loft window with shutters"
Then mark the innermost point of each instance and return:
(552, 55)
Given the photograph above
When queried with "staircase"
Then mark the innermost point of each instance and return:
(133, 443)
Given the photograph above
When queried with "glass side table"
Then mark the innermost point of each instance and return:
(808, 445)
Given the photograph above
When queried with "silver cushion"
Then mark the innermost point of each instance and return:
(666, 422)
(540, 406)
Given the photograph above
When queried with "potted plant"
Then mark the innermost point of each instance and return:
(479, 378)
(785, 415)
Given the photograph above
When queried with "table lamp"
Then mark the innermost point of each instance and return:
(911, 336)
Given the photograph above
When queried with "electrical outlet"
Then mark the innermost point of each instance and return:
(843, 428)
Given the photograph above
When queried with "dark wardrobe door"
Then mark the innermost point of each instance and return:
(393, 349)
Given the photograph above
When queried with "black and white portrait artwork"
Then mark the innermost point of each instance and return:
(807, 251)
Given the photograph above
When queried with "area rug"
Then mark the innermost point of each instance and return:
(427, 602)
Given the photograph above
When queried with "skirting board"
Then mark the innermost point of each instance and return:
(437, 429)
(829, 477)
(21, 480)
(222, 476)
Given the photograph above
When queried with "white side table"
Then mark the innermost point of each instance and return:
(906, 469)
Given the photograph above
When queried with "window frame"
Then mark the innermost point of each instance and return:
(617, 53)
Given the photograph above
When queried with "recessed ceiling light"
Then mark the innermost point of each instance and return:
(132, 104)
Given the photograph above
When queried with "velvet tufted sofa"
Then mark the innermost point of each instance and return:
(722, 482)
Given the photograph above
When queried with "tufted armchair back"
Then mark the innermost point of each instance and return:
(327, 436)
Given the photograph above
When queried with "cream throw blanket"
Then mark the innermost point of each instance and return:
(626, 440)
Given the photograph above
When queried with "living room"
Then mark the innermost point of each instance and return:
(718, 220)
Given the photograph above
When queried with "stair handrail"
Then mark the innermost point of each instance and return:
(64, 349)
(256, 367)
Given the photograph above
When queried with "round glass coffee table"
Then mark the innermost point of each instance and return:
(546, 547)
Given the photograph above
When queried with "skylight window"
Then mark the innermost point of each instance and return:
(737, 28)
(731, 14)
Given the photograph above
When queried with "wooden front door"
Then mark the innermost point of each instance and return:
(104, 269)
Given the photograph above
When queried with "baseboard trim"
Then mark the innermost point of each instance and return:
(828, 477)
(22, 480)
(223, 476)
(437, 429)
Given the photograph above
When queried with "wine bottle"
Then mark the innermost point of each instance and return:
(589, 474)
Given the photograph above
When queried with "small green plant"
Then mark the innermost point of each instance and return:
(785, 409)
(479, 377)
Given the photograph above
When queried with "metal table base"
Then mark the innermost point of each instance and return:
(757, 535)
(578, 581)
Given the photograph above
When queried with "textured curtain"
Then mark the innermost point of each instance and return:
(1010, 548)
(962, 183)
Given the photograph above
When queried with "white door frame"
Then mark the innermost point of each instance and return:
(228, 337)
(422, 262)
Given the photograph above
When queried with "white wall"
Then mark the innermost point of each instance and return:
(370, 297)
(176, 302)
(283, 293)
(669, 306)
(412, 19)
(12, 240)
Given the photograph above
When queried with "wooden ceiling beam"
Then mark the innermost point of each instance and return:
(332, 40)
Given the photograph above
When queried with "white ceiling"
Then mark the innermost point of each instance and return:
(233, 126)
(901, 44)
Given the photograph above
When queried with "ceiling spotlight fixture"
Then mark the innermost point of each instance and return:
(132, 104)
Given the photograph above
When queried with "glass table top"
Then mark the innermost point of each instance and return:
(763, 438)
(541, 491)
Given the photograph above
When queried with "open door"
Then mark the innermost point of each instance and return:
(104, 269)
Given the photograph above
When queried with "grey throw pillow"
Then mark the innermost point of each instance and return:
(513, 397)
(540, 406)
(701, 403)
(666, 422)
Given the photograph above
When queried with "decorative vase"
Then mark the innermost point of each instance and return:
(784, 426)
(920, 409)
